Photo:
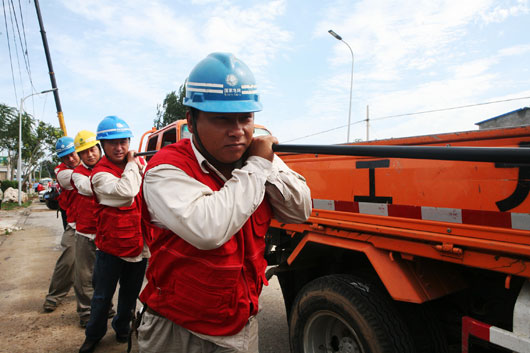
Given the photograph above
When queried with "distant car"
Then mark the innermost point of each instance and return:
(50, 197)
(41, 195)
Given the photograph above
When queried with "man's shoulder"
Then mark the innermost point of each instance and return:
(173, 154)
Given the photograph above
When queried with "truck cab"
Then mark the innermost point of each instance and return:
(176, 131)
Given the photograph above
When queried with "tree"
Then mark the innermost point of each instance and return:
(9, 134)
(39, 145)
(172, 108)
(38, 139)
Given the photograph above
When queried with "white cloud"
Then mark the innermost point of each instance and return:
(500, 13)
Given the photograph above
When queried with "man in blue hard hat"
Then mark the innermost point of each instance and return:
(208, 202)
(63, 274)
(121, 255)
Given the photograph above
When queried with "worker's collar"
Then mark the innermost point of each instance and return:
(207, 166)
(86, 166)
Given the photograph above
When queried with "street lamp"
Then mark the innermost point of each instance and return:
(19, 162)
(351, 80)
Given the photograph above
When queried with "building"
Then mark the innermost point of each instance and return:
(515, 118)
(4, 168)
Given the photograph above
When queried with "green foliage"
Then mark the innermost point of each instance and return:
(47, 167)
(172, 108)
(38, 138)
(5, 184)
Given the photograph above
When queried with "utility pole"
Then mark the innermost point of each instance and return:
(50, 69)
(367, 122)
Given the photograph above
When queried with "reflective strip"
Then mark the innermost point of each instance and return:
(474, 217)
(509, 340)
(204, 84)
(205, 90)
(67, 147)
(249, 92)
(440, 214)
(378, 209)
(324, 204)
(521, 221)
(248, 86)
(114, 130)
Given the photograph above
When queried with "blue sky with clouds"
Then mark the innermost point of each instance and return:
(123, 57)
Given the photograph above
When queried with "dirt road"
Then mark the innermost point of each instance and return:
(27, 258)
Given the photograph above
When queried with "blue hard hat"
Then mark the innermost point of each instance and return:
(112, 127)
(64, 146)
(222, 83)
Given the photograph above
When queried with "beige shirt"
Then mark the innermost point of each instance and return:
(120, 192)
(207, 219)
(83, 186)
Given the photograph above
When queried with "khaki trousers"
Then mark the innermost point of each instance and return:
(85, 256)
(63, 274)
(156, 334)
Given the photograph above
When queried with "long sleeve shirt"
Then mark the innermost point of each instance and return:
(207, 219)
(83, 186)
(64, 178)
(120, 192)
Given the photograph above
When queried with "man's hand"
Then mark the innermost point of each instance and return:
(131, 158)
(261, 146)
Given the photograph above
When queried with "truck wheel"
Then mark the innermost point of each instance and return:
(340, 313)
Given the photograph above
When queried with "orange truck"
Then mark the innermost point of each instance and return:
(408, 255)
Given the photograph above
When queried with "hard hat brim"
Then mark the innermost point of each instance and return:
(226, 106)
(86, 146)
(116, 136)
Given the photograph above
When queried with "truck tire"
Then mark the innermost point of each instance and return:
(341, 313)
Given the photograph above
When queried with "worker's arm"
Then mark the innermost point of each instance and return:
(82, 184)
(204, 218)
(117, 192)
(64, 178)
(288, 193)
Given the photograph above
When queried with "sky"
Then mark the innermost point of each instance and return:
(409, 56)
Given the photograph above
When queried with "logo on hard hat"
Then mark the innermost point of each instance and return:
(231, 80)
(119, 125)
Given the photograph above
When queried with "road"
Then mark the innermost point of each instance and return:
(27, 258)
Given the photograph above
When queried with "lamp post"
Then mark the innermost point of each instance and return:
(19, 162)
(351, 80)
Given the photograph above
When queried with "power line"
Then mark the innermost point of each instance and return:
(323, 132)
(26, 45)
(16, 51)
(452, 108)
(22, 49)
(9, 49)
(409, 114)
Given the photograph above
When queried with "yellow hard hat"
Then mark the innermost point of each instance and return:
(84, 140)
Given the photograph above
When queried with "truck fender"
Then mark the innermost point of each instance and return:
(405, 280)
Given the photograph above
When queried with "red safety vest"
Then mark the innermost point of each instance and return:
(67, 198)
(86, 206)
(118, 229)
(212, 292)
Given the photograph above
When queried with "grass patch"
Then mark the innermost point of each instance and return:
(8, 206)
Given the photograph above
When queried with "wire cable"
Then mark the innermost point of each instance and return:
(9, 49)
(409, 114)
(451, 108)
(16, 51)
(26, 45)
